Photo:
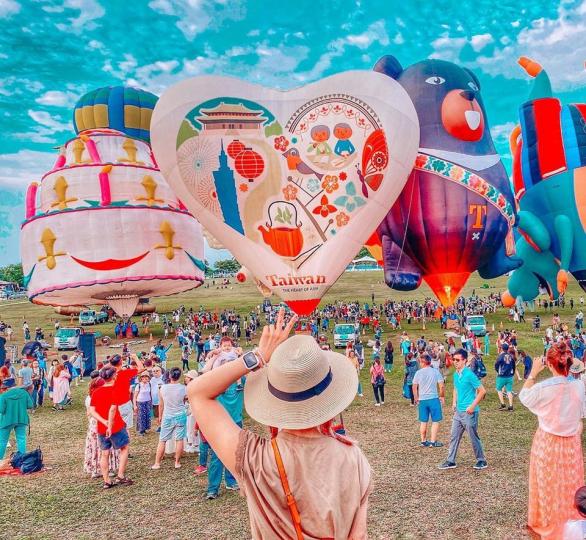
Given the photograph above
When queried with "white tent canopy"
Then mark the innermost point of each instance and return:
(365, 259)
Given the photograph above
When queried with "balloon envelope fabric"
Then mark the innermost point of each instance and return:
(292, 183)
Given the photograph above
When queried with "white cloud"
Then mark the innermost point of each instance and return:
(45, 119)
(480, 41)
(95, 44)
(24, 166)
(558, 44)
(399, 39)
(8, 8)
(89, 12)
(45, 129)
(56, 98)
(501, 132)
(123, 68)
(196, 16)
(13, 86)
(375, 33)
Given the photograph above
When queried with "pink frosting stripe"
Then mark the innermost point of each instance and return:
(116, 164)
(114, 280)
(111, 208)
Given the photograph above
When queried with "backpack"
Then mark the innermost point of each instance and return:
(31, 462)
(479, 368)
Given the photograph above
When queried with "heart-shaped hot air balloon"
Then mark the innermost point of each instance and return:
(292, 183)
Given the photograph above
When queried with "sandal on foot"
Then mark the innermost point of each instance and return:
(124, 481)
(108, 485)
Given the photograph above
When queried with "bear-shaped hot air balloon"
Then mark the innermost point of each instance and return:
(103, 226)
(549, 174)
(455, 214)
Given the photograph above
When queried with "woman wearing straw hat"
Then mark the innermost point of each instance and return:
(307, 482)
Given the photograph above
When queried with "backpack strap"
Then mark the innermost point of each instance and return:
(291, 503)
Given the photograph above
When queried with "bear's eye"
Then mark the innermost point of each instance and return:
(473, 86)
(435, 80)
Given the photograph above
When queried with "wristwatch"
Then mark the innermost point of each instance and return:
(251, 360)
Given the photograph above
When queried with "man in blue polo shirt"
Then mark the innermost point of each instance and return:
(468, 392)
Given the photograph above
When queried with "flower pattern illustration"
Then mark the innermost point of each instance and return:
(281, 143)
(330, 183)
(324, 209)
(351, 200)
(313, 185)
(342, 219)
(290, 192)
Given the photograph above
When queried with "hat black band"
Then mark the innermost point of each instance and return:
(304, 394)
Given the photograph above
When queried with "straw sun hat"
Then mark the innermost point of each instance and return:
(301, 387)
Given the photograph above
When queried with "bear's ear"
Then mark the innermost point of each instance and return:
(474, 77)
(389, 65)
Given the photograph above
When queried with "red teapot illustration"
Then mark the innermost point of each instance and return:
(283, 232)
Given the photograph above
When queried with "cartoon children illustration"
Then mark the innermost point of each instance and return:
(344, 146)
(320, 134)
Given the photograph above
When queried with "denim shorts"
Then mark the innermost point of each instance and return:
(117, 440)
(430, 407)
(170, 424)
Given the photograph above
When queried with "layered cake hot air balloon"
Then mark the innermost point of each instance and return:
(549, 174)
(456, 212)
(103, 226)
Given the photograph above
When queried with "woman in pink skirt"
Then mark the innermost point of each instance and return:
(556, 467)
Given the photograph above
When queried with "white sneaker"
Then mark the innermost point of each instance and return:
(360, 395)
(382, 402)
(377, 404)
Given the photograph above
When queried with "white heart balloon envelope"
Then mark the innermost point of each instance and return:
(291, 183)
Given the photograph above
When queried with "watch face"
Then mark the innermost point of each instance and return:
(250, 360)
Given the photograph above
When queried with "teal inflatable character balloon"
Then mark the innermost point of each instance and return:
(549, 175)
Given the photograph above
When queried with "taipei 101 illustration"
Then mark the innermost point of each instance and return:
(226, 192)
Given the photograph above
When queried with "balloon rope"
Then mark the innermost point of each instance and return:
(404, 234)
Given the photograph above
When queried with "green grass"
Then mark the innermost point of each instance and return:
(412, 499)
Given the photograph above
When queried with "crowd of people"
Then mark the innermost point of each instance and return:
(199, 407)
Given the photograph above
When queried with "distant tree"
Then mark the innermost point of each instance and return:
(12, 273)
(363, 253)
(230, 266)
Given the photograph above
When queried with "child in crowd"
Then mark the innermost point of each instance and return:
(222, 355)
(143, 403)
(576, 529)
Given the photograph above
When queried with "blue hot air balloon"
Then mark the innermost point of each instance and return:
(121, 108)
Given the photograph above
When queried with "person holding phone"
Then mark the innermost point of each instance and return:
(298, 390)
(556, 464)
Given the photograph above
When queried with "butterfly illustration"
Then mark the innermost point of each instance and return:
(375, 157)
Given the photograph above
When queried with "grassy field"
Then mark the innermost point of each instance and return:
(412, 498)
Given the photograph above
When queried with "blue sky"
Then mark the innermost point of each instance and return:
(51, 52)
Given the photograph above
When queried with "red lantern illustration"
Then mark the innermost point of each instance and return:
(234, 148)
(249, 164)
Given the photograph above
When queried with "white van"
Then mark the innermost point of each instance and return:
(67, 338)
(344, 333)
